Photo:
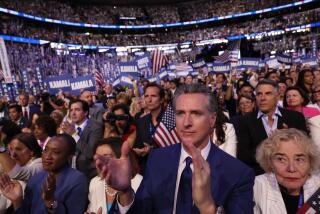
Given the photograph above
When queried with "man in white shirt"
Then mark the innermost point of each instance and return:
(192, 177)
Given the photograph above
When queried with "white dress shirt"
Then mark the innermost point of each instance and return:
(83, 125)
(269, 129)
(27, 109)
(182, 164)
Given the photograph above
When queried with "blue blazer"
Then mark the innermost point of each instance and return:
(33, 109)
(71, 193)
(231, 182)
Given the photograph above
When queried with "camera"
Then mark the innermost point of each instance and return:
(112, 118)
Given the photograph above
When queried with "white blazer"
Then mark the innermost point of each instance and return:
(230, 144)
(313, 124)
(267, 195)
(97, 194)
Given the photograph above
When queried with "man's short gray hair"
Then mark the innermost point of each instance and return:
(197, 88)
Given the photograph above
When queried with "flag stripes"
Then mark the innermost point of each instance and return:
(159, 60)
(166, 133)
(99, 78)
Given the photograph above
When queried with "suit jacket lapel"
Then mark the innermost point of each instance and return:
(173, 164)
(81, 143)
(259, 127)
(310, 187)
(274, 196)
(280, 119)
(214, 161)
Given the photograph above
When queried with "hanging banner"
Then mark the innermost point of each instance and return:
(26, 81)
(314, 45)
(5, 62)
(40, 80)
(4, 88)
(15, 86)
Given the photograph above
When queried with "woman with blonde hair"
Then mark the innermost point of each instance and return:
(291, 162)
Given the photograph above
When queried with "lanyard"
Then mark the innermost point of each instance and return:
(301, 199)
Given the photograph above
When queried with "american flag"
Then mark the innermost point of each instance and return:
(99, 78)
(158, 61)
(230, 54)
(183, 67)
(312, 206)
(166, 133)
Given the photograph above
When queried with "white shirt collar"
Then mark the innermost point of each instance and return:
(277, 112)
(82, 125)
(204, 152)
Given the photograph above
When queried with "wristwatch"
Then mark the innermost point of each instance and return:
(53, 205)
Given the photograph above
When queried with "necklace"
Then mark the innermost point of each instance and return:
(111, 194)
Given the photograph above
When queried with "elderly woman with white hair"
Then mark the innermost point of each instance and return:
(291, 163)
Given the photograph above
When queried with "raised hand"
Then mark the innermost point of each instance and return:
(201, 181)
(143, 151)
(11, 189)
(48, 189)
(67, 128)
(117, 172)
(98, 212)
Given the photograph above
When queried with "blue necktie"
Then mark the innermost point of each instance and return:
(184, 199)
(79, 131)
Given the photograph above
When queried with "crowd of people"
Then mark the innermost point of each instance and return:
(19, 27)
(106, 147)
(150, 14)
(242, 142)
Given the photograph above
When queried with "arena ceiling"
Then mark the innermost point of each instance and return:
(132, 2)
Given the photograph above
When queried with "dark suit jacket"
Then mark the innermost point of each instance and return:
(24, 122)
(90, 135)
(144, 136)
(96, 112)
(143, 132)
(156, 192)
(251, 133)
(33, 109)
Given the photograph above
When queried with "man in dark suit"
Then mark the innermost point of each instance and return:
(192, 177)
(15, 114)
(258, 125)
(86, 133)
(147, 125)
(95, 111)
(28, 110)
